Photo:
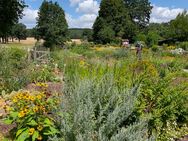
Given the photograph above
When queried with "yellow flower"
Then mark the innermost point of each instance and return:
(42, 108)
(35, 109)
(21, 114)
(31, 131)
(15, 100)
(32, 98)
(41, 84)
(39, 128)
(39, 138)
(26, 110)
(39, 97)
(7, 108)
(82, 63)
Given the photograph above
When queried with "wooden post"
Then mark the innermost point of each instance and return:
(29, 54)
(35, 54)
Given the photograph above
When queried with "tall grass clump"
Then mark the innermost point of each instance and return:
(97, 110)
(13, 67)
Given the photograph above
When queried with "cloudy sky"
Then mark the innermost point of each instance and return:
(82, 13)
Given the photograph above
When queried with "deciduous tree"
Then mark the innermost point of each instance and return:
(52, 25)
(124, 17)
(10, 12)
(19, 31)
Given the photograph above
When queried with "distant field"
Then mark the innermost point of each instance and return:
(28, 43)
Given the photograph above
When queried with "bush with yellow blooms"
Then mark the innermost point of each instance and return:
(32, 112)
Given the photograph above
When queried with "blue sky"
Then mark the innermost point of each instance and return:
(82, 13)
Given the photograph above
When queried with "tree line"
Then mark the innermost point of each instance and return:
(117, 20)
(10, 12)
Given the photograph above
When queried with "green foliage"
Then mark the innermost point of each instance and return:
(13, 68)
(105, 21)
(155, 48)
(10, 11)
(87, 35)
(128, 17)
(141, 37)
(165, 104)
(106, 34)
(152, 39)
(52, 25)
(30, 112)
(179, 26)
(183, 45)
(99, 110)
(162, 29)
(41, 73)
(19, 31)
(77, 33)
(120, 53)
(139, 11)
(80, 49)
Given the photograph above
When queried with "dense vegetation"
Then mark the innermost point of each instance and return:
(107, 94)
(91, 91)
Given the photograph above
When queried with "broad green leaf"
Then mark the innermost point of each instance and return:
(54, 130)
(51, 131)
(23, 136)
(48, 122)
(32, 123)
(20, 131)
(8, 121)
(14, 114)
(35, 135)
(5, 139)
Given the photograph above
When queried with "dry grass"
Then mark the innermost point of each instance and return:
(76, 41)
(28, 41)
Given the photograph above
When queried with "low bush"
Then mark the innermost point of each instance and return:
(13, 68)
(120, 53)
(183, 45)
(99, 110)
(33, 113)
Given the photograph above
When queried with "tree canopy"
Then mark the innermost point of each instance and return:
(10, 12)
(19, 31)
(51, 24)
(179, 27)
(120, 19)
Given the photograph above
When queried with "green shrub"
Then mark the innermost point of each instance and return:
(80, 49)
(13, 69)
(30, 111)
(183, 45)
(155, 48)
(120, 53)
(165, 101)
(99, 110)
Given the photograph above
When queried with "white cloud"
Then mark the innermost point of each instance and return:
(88, 7)
(29, 18)
(74, 2)
(164, 14)
(84, 21)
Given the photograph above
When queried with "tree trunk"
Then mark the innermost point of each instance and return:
(6, 39)
(3, 39)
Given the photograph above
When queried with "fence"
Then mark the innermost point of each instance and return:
(38, 55)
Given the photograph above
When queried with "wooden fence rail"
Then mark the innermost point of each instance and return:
(38, 55)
